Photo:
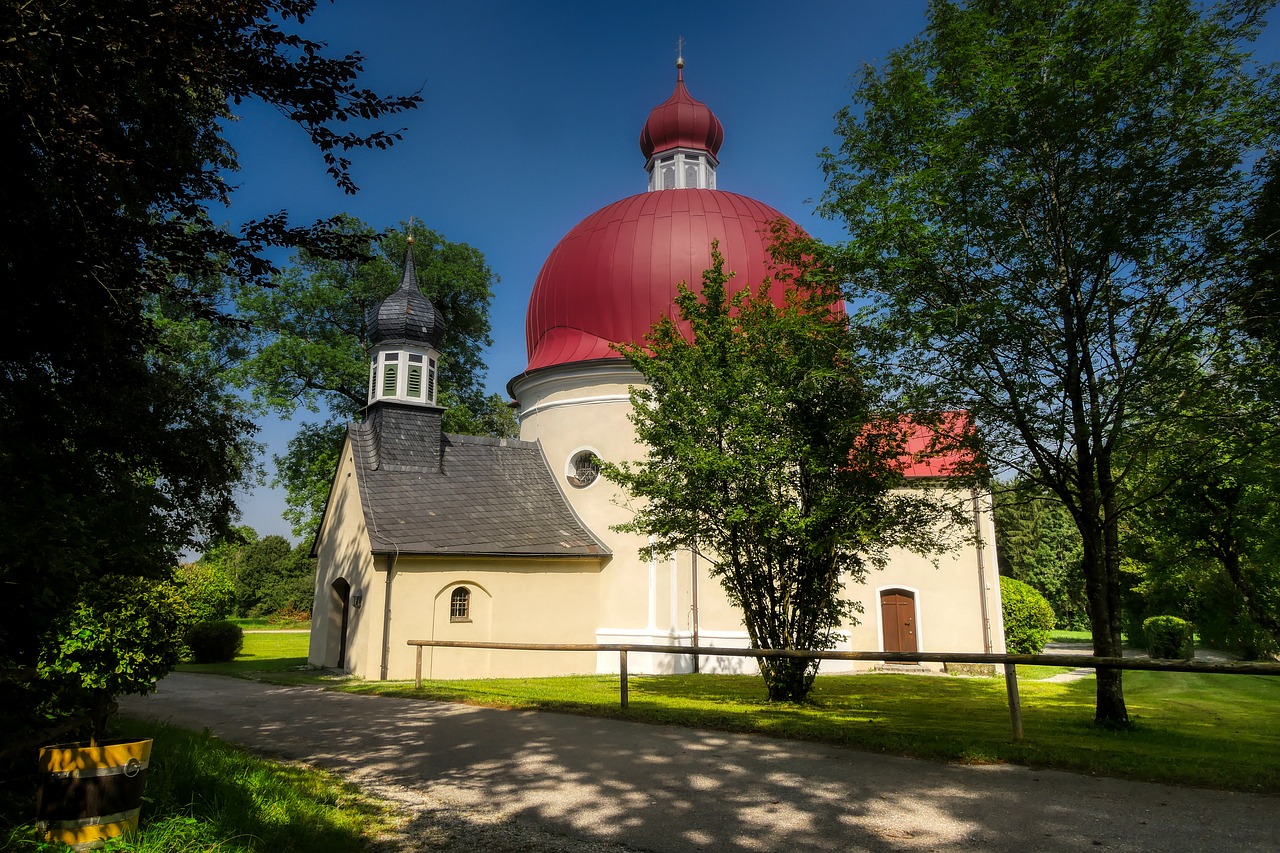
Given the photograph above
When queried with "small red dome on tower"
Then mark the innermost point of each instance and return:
(611, 277)
(681, 122)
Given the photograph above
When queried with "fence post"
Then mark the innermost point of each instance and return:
(1015, 702)
(417, 669)
(622, 672)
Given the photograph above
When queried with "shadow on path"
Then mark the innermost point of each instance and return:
(674, 789)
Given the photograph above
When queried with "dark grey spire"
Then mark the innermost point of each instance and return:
(406, 316)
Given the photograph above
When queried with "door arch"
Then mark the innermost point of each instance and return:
(339, 617)
(898, 620)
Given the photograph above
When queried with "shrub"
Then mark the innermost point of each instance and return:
(1028, 618)
(209, 591)
(1168, 637)
(214, 642)
(119, 636)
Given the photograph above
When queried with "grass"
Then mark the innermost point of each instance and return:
(1188, 728)
(204, 794)
(1071, 637)
(1206, 730)
(268, 625)
(263, 653)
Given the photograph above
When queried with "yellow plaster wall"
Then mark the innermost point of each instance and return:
(513, 600)
(586, 407)
(343, 551)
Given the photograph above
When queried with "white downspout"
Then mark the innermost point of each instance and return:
(386, 614)
(982, 572)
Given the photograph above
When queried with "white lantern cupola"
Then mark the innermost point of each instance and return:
(680, 141)
(405, 331)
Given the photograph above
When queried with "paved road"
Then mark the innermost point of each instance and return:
(672, 789)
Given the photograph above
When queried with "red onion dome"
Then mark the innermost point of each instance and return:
(615, 274)
(681, 122)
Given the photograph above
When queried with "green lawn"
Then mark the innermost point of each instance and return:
(1210, 730)
(272, 652)
(206, 795)
(268, 625)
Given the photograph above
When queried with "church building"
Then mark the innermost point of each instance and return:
(433, 536)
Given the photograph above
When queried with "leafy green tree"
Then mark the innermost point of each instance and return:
(310, 348)
(258, 566)
(118, 636)
(1259, 302)
(1038, 544)
(120, 449)
(1044, 199)
(264, 574)
(765, 450)
(272, 575)
(207, 591)
(1207, 546)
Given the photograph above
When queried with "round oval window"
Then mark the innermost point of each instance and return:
(585, 467)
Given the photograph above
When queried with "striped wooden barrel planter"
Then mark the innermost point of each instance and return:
(89, 793)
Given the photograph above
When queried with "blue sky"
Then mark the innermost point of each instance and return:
(530, 121)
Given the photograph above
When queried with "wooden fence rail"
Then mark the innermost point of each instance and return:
(1009, 662)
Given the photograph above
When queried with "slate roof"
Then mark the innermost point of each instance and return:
(482, 496)
(406, 316)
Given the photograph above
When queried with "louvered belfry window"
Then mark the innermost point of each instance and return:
(414, 391)
(390, 373)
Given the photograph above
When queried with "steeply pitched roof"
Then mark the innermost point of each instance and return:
(486, 496)
(406, 316)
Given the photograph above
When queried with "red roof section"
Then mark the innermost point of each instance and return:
(615, 274)
(681, 122)
(926, 454)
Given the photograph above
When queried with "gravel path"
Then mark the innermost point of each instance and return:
(484, 779)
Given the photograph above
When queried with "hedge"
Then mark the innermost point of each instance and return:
(1028, 617)
(214, 642)
(1168, 637)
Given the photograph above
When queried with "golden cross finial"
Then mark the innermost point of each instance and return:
(680, 52)
(409, 229)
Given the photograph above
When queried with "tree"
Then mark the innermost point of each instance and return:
(1044, 198)
(310, 348)
(124, 448)
(765, 451)
(272, 575)
(1259, 301)
(1207, 546)
(1038, 543)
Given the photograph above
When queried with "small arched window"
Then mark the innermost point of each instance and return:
(460, 605)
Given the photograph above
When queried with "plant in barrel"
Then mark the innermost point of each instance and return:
(121, 634)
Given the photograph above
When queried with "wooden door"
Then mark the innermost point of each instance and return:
(898, 616)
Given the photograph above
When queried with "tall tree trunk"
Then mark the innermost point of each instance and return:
(1102, 590)
(1110, 709)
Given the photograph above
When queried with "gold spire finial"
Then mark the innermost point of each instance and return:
(680, 52)
(409, 230)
